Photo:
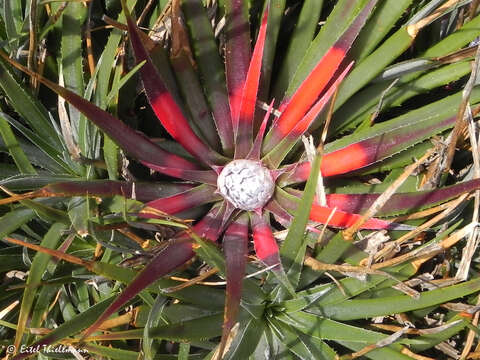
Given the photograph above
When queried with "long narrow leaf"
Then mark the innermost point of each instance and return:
(11, 143)
(235, 246)
(237, 51)
(333, 217)
(212, 69)
(243, 124)
(38, 267)
(189, 199)
(105, 188)
(163, 104)
(362, 308)
(403, 202)
(315, 83)
(294, 243)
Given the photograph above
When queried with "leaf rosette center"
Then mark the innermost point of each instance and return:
(246, 184)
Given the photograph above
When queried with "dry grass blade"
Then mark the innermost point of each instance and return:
(411, 354)
(311, 152)
(231, 336)
(473, 240)
(324, 227)
(382, 343)
(460, 123)
(14, 198)
(65, 125)
(380, 102)
(189, 282)
(145, 12)
(471, 334)
(412, 331)
(420, 255)
(316, 265)
(473, 8)
(32, 43)
(4, 312)
(88, 41)
(124, 319)
(55, 253)
(410, 235)
(415, 28)
(131, 235)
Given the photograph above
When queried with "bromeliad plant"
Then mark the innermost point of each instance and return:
(242, 160)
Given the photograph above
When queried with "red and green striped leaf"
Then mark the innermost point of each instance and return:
(243, 124)
(202, 194)
(164, 105)
(278, 153)
(334, 217)
(256, 150)
(237, 51)
(403, 202)
(265, 245)
(295, 108)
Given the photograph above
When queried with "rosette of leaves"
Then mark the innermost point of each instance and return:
(223, 149)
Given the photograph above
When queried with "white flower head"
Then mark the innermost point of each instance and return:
(246, 184)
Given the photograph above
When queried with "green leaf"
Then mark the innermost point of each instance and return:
(72, 55)
(300, 40)
(203, 296)
(39, 265)
(275, 17)
(362, 73)
(453, 42)
(149, 346)
(54, 153)
(363, 308)
(30, 109)
(46, 212)
(452, 328)
(246, 340)
(183, 351)
(383, 19)
(11, 143)
(111, 352)
(12, 17)
(12, 220)
(293, 248)
(305, 347)
(211, 69)
(202, 328)
(353, 337)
